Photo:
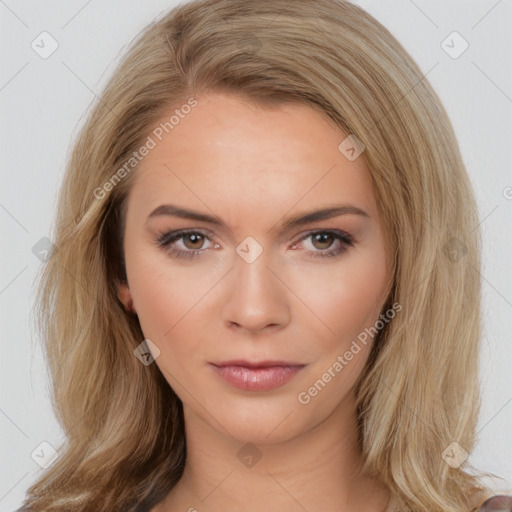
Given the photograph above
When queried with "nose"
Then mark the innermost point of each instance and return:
(256, 297)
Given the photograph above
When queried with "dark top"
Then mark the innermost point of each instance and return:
(497, 503)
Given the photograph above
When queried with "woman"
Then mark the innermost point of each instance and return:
(207, 350)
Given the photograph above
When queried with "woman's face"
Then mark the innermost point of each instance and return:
(255, 310)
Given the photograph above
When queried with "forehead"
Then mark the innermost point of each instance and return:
(232, 155)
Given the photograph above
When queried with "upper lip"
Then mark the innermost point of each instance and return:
(256, 364)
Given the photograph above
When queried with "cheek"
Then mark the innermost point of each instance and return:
(343, 299)
(333, 301)
(165, 300)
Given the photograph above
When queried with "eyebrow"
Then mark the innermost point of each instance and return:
(293, 222)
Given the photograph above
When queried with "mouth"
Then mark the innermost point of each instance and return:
(256, 376)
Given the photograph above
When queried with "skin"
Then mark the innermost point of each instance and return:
(254, 167)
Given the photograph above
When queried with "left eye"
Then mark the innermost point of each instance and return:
(328, 237)
(193, 241)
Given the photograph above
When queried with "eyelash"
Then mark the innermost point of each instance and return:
(165, 240)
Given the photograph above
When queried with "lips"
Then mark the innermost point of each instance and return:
(256, 376)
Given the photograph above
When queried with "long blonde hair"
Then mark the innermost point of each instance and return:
(125, 444)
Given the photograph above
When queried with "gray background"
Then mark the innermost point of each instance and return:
(42, 102)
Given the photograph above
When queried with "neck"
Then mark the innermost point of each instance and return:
(317, 470)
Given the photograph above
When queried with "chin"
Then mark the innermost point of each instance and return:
(263, 420)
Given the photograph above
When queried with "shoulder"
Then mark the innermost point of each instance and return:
(497, 503)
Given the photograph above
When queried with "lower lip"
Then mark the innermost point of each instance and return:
(256, 379)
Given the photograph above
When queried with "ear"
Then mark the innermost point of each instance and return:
(126, 297)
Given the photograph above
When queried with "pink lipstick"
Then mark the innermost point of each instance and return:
(258, 376)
